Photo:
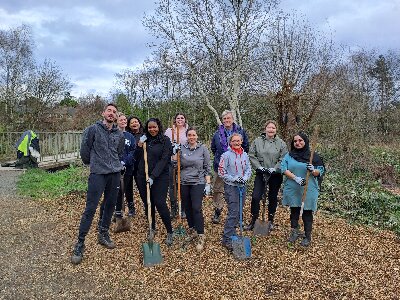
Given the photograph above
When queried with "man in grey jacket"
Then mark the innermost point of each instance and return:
(102, 148)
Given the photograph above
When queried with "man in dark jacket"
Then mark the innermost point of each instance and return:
(219, 145)
(102, 148)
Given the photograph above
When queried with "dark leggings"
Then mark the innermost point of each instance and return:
(192, 196)
(307, 218)
(274, 183)
(158, 196)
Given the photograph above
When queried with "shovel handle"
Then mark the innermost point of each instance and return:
(178, 166)
(146, 170)
(313, 146)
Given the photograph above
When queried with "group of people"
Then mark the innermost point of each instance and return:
(114, 147)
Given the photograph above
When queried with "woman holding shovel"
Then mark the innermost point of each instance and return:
(195, 181)
(295, 166)
(234, 168)
(159, 150)
(177, 135)
(266, 154)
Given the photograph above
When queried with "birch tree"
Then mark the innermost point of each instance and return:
(212, 40)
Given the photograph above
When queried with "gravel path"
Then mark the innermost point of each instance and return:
(8, 181)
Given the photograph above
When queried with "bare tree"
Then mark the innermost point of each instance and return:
(16, 61)
(296, 63)
(48, 84)
(127, 82)
(212, 40)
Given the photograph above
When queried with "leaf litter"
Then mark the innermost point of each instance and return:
(344, 261)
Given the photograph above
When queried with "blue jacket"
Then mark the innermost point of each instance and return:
(129, 152)
(102, 148)
(217, 147)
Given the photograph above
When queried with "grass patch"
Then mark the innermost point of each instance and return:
(37, 183)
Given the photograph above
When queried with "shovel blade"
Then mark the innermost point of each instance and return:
(122, 225)
(241, 247)
(151, 254)
(261, 228)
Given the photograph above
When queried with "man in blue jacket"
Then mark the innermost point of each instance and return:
(102, 148)
(219, 145)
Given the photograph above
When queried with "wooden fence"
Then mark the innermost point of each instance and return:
(53, 145)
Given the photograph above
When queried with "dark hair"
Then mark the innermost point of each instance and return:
(110, 104)
(129, 122)
(180, 114)
(160, 128)
(189, 129)
(304, 136)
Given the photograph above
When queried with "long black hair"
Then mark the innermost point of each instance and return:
(160, 135)
(140, 125)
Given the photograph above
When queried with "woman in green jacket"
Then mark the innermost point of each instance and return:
(266, 153)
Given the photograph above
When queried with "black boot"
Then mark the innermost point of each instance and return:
(307, 238)
(105, 240)
(131, 208)
(294, 235)
(77, 255)
(217, 216)
(174, 210)
(250, 226)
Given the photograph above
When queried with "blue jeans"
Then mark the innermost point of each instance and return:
(232, 218)
(97, 184)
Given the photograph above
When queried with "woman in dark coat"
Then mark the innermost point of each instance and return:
(159, 151)
(135, 128)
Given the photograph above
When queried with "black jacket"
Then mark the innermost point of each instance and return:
(159, 151)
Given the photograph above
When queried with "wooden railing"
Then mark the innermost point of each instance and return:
(53, 145)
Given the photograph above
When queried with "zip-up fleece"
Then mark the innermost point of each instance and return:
(195, 164)
(267, 153)
(159, 151)
(102, 148)
(233, 165)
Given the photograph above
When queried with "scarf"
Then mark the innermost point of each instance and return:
(223, 136)
(303, 154)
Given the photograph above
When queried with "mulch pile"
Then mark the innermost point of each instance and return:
(343, 262)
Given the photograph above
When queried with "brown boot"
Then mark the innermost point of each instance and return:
(201, 240)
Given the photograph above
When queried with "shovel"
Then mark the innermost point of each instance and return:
(180, 230)
(261, 227)
(151, 250)
(241, 245)
(122, 224)
(313, 147)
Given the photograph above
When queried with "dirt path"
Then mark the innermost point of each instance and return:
(344, 261)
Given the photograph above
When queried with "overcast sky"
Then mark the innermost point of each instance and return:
(92, 40)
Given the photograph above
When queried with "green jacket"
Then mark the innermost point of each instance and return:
(267, 153)
(25, 141)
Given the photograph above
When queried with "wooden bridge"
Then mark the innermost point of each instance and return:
(57, 149)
